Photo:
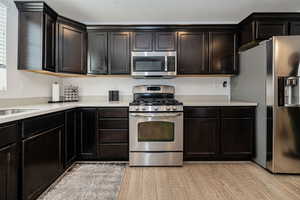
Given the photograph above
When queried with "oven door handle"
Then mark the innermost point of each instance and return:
(155, 114)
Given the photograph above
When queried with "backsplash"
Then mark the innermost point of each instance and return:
(99, 86)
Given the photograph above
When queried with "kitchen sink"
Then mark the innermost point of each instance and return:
(14, 111)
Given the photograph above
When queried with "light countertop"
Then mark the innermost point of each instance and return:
(45, 108)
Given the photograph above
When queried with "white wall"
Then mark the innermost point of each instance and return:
(21, 84)
(99, 86)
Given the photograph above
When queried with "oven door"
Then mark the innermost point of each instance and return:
(156, 131)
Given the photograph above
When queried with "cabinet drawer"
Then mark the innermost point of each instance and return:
(38, 124)
(237, 111)
(113, 136)
(8, 134)
(207, 112)
(113, 113)
(118, 123)
(113, 151)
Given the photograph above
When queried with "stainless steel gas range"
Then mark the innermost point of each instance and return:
(155, 127)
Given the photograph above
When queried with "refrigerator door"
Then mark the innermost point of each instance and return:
(286, 152)
(283, 126)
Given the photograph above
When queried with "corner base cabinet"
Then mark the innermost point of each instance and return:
(218, 133)
(70, 138)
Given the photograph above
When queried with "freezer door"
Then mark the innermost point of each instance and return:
(286, 145)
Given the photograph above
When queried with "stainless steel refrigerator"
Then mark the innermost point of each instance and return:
(270, 75)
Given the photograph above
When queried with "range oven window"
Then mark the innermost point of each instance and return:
(156, 131)
(149, 63)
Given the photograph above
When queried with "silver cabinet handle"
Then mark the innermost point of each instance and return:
(155, 115)
(166, 63)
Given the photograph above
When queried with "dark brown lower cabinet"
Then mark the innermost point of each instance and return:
(114, 151)
(41, 161)
(223, 133)
(237, 132)
(9, 172)
(200, 139)
(87, 139)
(70, 138)
(113, 134)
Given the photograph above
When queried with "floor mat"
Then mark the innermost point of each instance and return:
(88, 182)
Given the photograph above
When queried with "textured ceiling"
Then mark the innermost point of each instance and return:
(167, 11)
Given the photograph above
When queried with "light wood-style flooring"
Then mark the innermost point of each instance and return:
(208, 181)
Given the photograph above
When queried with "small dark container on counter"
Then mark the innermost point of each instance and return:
(113, 95)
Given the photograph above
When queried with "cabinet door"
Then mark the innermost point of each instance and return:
(142, 41)
(49, 43)
(70, 137)
(72, 49)
(267, 29)
(165, 41)
(295, 28)
(192, 53)
(8, 173)
(200, 138)
(41, 161)
(97, 53)
(236, 137)
(247, 33)
(87, 133)
(119, 53)
(222, 52)
(30, 45)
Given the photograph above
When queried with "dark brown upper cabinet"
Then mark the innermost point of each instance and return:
(97, 53)
(71, 51)
(165, 41)
(154, 41)
(142, 41)
(192, 52)
(295, 28)
(119, 53)
(222, 53)
(37, 29)
(263, 26)
(267, 29)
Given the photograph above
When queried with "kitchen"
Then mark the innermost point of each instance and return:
(95, 104)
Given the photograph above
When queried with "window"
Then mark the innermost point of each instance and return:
(3, 14)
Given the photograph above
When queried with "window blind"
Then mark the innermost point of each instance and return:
(3, 16)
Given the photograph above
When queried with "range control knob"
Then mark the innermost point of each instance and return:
(168, 108)
(156, 108)
(136, 108)
(144, 108)
(174, 108)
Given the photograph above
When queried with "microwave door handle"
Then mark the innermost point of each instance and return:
(166, 63)
(155, 115)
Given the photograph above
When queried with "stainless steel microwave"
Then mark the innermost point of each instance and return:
(154, 64)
